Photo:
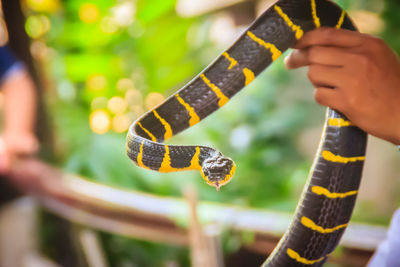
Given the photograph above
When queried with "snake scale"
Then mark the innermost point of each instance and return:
(329, 195)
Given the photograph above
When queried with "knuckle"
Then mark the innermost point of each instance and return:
(327, 33)
(320, 34)
(366, 65)
(362, 60)
(375, 42)
(353, 83)
(311, 73)
(351, 102)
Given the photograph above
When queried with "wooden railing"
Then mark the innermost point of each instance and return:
(164, 219)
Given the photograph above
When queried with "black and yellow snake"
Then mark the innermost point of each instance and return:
(329, 195)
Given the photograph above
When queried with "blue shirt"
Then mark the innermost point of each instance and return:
(8, 62)
(388, 252)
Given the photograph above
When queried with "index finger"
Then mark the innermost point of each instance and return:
(330, 37)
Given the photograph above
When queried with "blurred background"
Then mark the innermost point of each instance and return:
(101, 64)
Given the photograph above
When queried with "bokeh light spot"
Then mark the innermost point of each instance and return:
(96, 82)
(133, 97)
(124, 84)
(100, 122)
(117, 105)
(49, 6)
(153, 99)
(137, 110)
(39, 50)
(66, 91)
(108, 25)
(132, 116)
(124, 13)
(33, 26)
(88, 13)
(240, 137)
(223, 31)
(121, 123)
(36, 26)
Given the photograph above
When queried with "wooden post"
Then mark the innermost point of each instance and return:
(205, 247)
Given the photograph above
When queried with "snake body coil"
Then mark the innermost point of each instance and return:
(330, 192)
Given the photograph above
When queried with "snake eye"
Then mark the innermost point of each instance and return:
(218, 170)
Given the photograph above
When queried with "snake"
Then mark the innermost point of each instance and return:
(329, 195)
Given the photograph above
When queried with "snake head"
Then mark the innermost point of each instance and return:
(218, 170)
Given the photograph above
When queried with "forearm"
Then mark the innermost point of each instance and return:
(19, 114)
(19, 105)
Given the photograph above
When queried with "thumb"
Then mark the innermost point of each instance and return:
(297, 59)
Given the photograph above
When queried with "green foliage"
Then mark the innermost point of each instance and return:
(124, 252)
(391, 17)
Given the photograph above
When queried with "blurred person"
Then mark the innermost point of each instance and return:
(19, 106)
(359, 76)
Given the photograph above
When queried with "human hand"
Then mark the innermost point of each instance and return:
(355, 74)
(13, 145)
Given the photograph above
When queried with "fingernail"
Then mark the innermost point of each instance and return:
(286, 60)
